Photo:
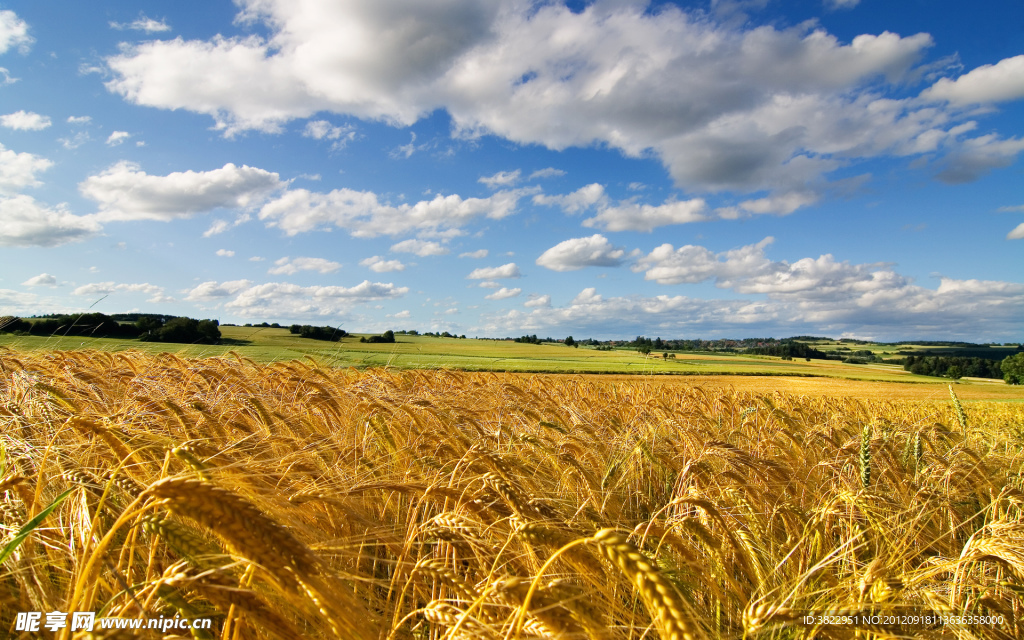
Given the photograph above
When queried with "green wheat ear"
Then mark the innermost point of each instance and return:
(918, 452)
(960, 415)
(865, 456)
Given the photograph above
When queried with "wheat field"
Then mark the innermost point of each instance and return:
(290, 500)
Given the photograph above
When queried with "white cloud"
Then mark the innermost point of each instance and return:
(780, 203)
(79, 120)
(645, 217)
(149, 25)
(285, 300)
(155, 293)
(24, 222)
(422, 248)
(490, 284)
(841, 4)
(211, 290)
(1017, 233)
(900, 310)
(577, 201)
(401, 315)
(380, 265)
(748, 270)
(535, 302)
(501, 179)
(363, 215)
(18, 170)
(987, 83)
(577, 253)
(406, 150)
(479, 253)
(766, 108)
(225, 253)
(220, 226)
(6, 78)
(125, 192)
(691, 264)
(117, 137)
(324, 130)
(14, 33)
(549, 172)
(42, 280)
(509, 270)
(25, 121)
(289, 266)
(504, 293)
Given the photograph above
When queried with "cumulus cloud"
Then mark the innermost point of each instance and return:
(538, 302)
(691, 264)
(748, 270)
(155, 293)
(212, 290)
(225, 253)
(645, 217)
(363, 215)
(422, 248)
(380, 265)
(479, 253)
(841, 4)
(149, 25)
(42, 280)
(25, 222)
(117, 137)
(18, 170)
(126, 192)
(79, 120)
(510, 270)
(279, 299)
(988, 83)
(14, 32)
(1017, 233)
(501, 179)
(577, 253)
(577, 201)
(725, 105)
(627, 215)
(25, 121)
(504, 293)
(897, 311)
(289, 266)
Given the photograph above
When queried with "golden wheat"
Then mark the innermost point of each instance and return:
(292, 501)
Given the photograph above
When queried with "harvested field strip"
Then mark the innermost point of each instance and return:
(294, 501)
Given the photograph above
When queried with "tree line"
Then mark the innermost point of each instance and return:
(144, 327)
(1010, 369)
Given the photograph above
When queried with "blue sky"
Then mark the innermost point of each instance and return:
(731, 168)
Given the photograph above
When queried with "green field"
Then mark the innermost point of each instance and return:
(424, 352)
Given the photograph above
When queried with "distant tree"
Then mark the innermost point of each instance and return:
(569, 342)
(1013, 369)
(388, 337)
(10, 324)
(209, 329)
